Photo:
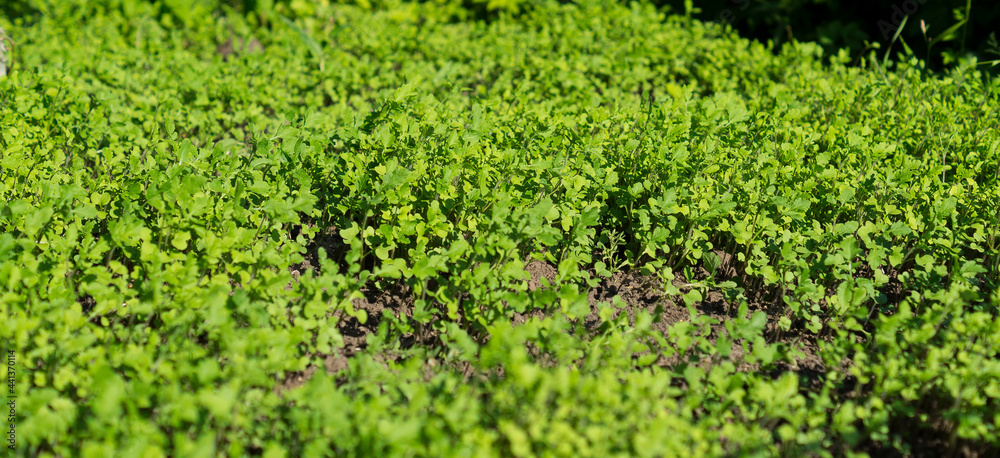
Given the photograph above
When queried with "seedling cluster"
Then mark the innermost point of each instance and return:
(583, 229)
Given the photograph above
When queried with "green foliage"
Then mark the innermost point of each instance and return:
(200, 200)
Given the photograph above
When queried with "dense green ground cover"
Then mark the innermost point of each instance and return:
(586, 230)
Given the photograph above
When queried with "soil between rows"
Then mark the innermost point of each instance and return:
(638, 293)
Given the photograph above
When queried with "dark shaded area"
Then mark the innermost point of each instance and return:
(16, 9)
(837, 25)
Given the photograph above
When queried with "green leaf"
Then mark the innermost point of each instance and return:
(180, 240)
(948, 34)
(36, 220)
(86, 211)
(711, 262)
(692, 297)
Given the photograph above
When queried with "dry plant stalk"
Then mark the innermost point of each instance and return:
(6, 45)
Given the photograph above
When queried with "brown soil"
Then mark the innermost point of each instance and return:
(238, 45)
(329, 240)
(537, 270)
(397, 299)
(636, 291)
